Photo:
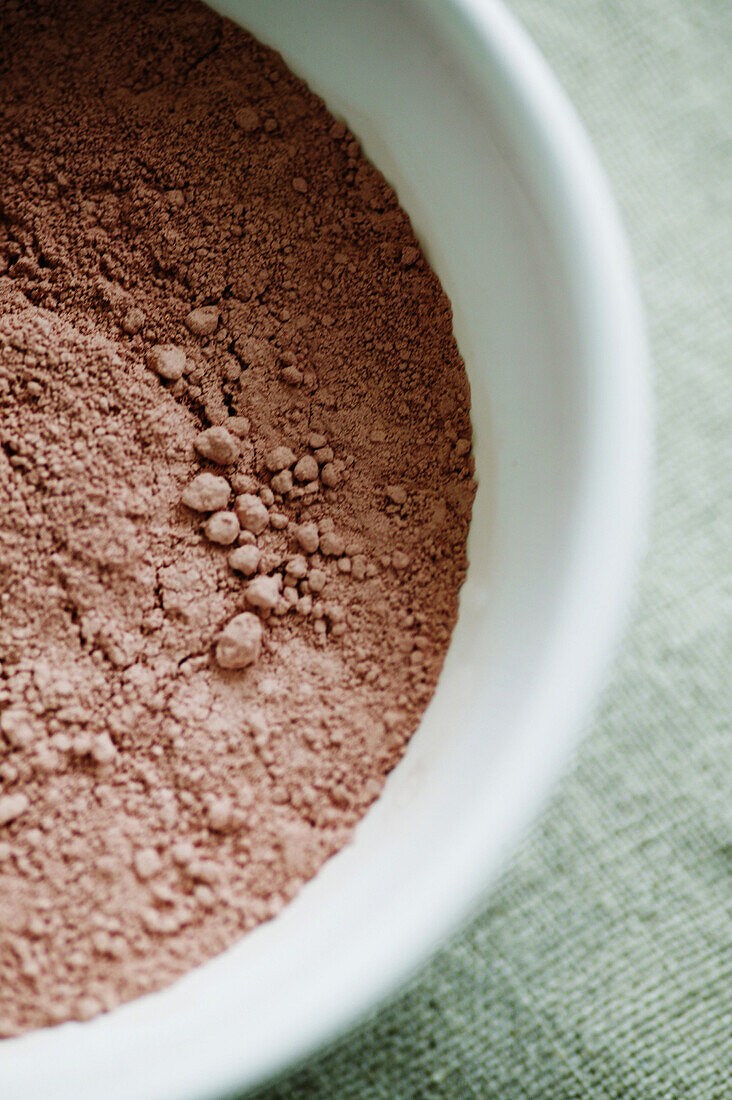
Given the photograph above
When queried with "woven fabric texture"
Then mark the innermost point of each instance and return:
(602, 964)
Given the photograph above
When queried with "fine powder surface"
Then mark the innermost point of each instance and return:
(235, 489)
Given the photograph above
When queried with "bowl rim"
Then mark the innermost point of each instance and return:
(584, 219)
(585, 227)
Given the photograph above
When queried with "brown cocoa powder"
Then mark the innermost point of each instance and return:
(235, 487)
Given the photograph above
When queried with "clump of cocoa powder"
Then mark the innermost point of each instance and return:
(235, 488)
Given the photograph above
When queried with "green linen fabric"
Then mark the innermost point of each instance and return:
(601, 966)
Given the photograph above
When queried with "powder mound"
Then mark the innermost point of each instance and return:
(235, 489)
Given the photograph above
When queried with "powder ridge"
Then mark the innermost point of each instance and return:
(235, 488)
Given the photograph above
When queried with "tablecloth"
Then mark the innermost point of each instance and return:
(601, 966)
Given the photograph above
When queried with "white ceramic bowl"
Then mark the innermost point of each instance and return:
(457, 108)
